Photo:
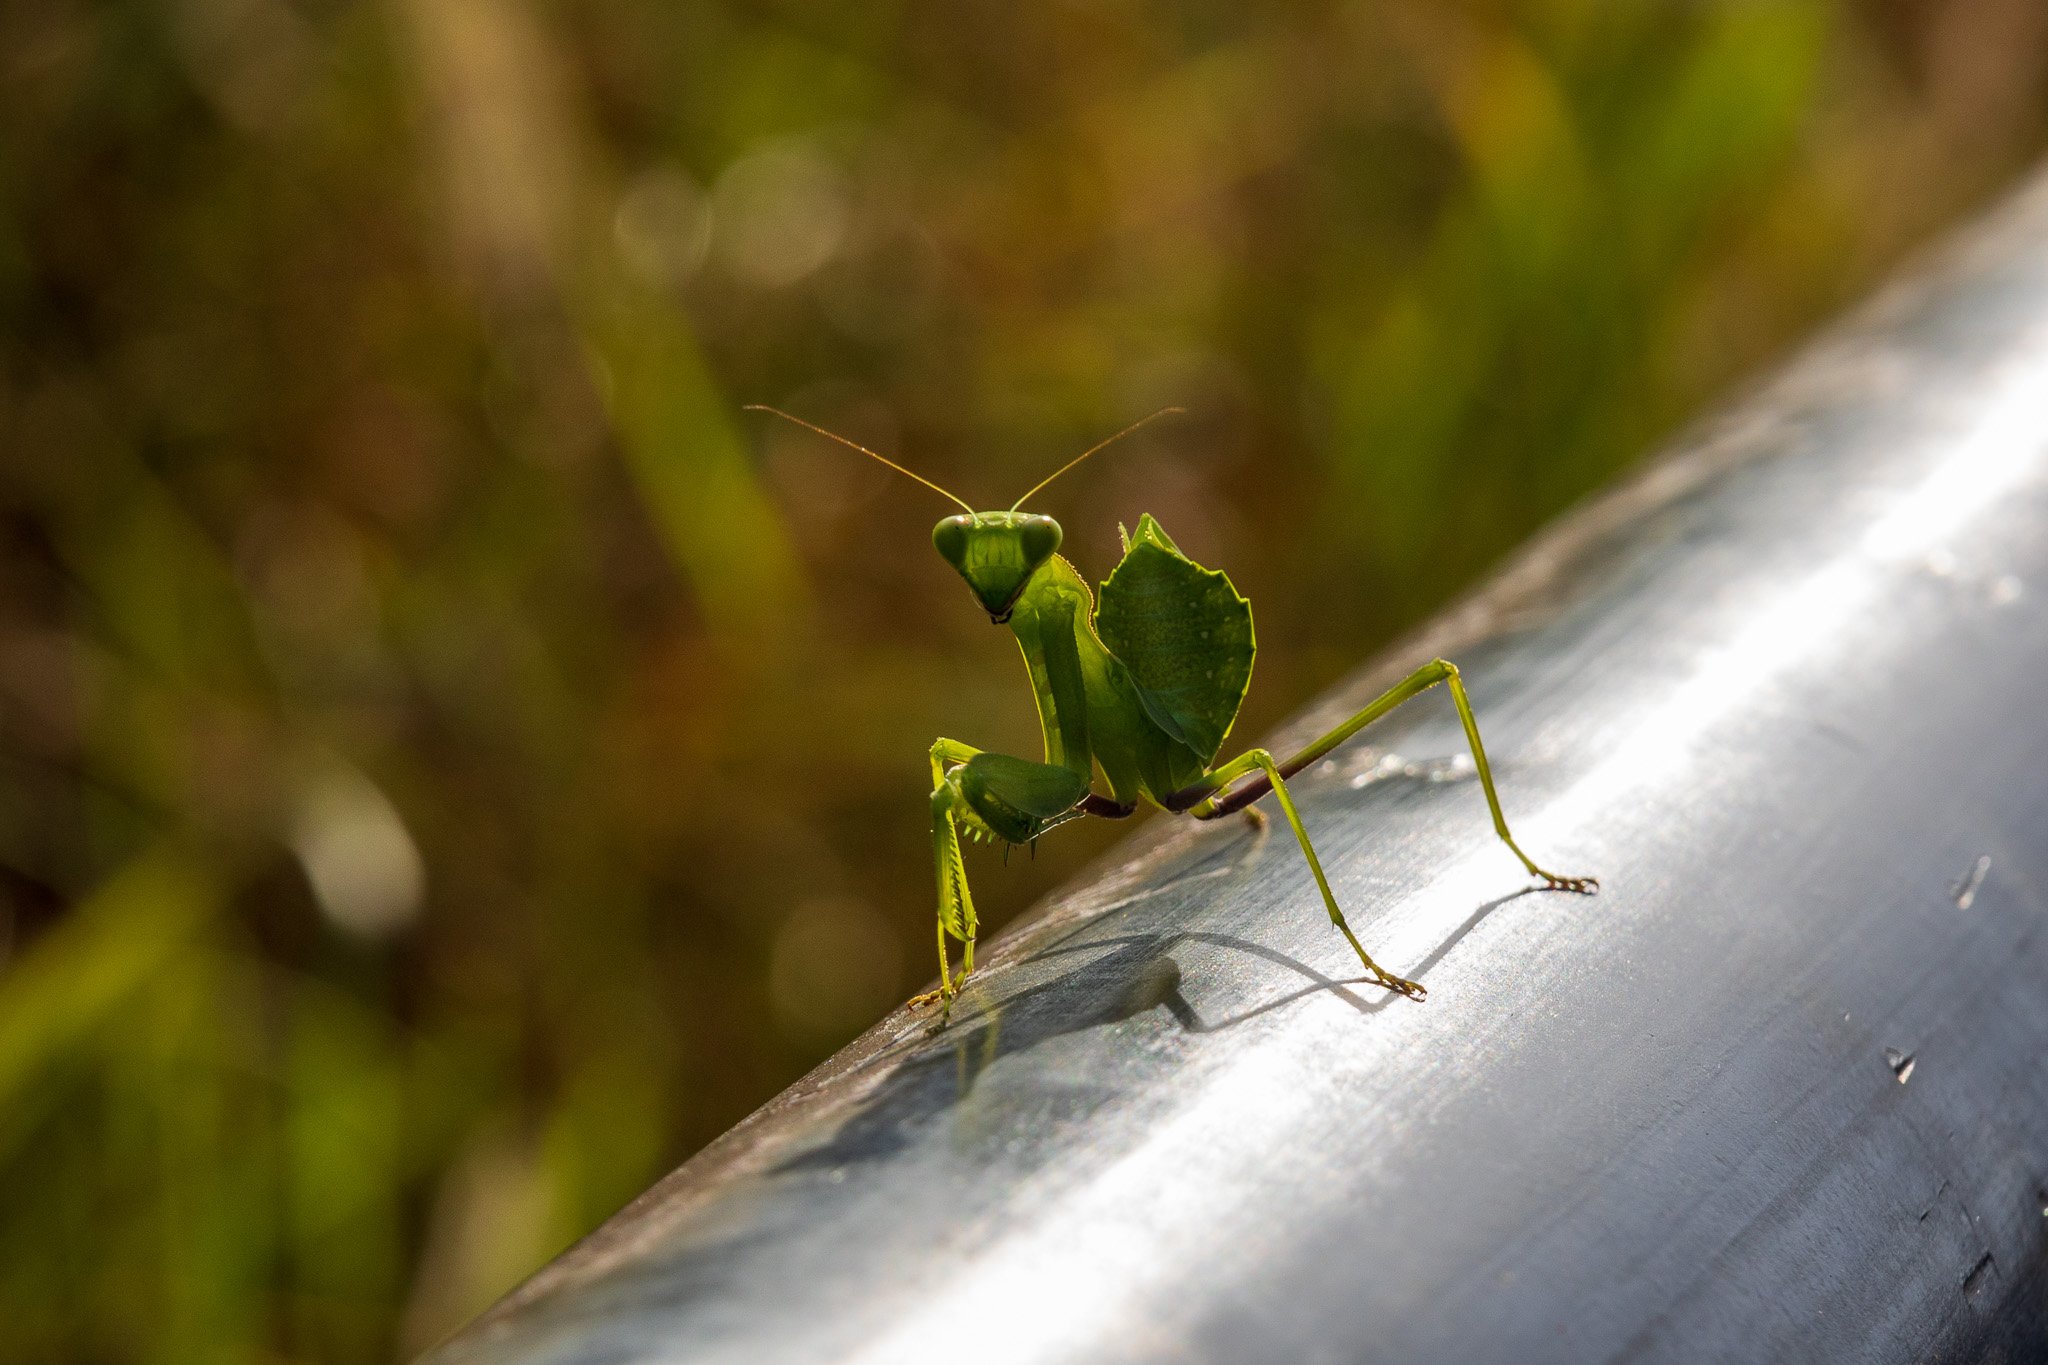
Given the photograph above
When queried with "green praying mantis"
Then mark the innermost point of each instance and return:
(1140, 682)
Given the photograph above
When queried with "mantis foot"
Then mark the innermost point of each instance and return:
(1401, 985)
(1582, 886)
(943, 998)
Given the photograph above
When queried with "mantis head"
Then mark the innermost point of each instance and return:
(996, 552)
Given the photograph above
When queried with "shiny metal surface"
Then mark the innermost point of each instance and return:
(1778, 1093)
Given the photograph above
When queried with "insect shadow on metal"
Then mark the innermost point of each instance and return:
(1140, 684)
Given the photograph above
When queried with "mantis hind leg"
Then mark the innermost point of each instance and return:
(1207, 799)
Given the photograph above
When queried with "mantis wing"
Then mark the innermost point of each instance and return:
(1184, 634)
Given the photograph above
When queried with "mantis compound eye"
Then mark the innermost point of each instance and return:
(1038, 537)
(950, 537)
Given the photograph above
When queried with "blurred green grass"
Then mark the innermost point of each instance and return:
(456, 766)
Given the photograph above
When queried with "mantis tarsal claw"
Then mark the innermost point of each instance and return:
(1401, 985)
(920, 1006)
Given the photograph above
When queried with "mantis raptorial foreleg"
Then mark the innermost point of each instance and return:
(956, 903)
(948, 754)
(1416, 683)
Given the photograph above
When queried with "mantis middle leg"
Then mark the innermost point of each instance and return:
(1261, 761)
(1219, 802)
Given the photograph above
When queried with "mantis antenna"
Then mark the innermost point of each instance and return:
(1090, 451)
(833, 436)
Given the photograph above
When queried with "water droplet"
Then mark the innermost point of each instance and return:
(1384, 766)
(1974, 1281)
(1965, 891)
(1458, 766)
(2005, 590)
(1901, 1063)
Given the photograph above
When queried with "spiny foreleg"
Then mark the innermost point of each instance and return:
(956, 903)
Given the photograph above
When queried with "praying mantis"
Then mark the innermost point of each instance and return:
(1140, 683)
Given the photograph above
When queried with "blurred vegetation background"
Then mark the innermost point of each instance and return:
(456, 763)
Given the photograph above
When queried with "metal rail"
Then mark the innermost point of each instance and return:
(1779, 1093)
